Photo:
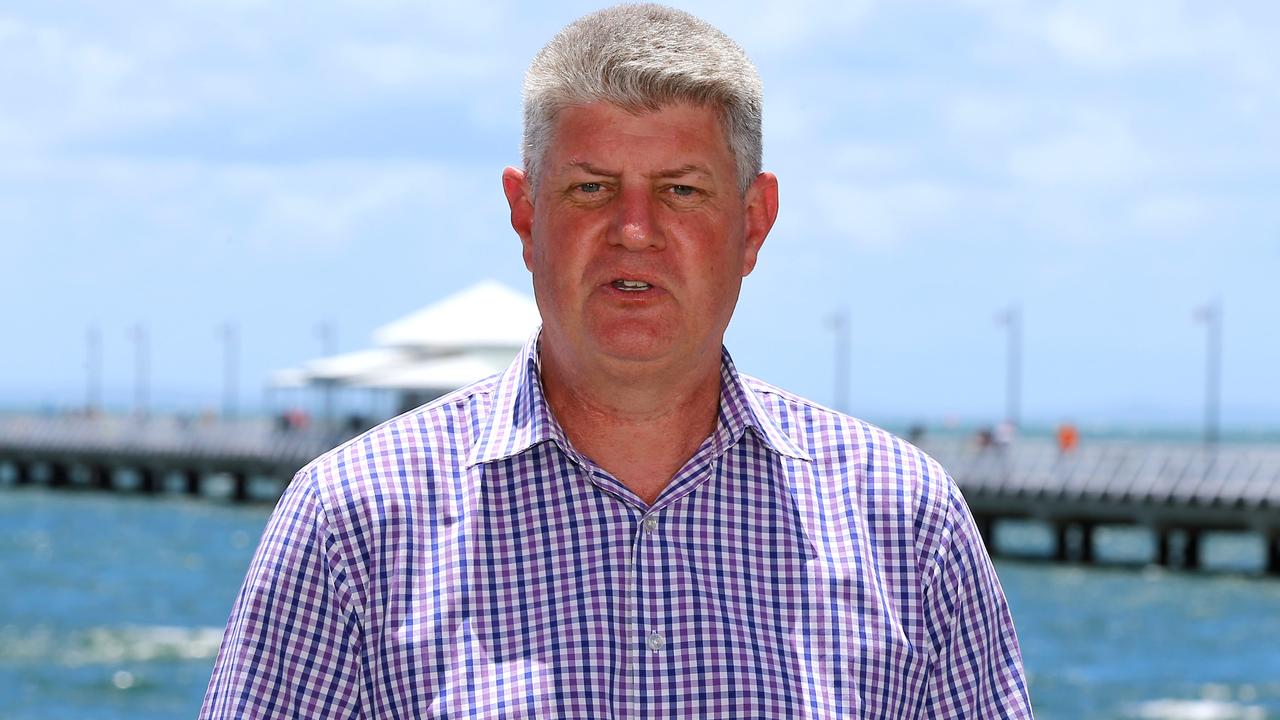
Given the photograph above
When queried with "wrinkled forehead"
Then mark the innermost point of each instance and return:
(678, 134)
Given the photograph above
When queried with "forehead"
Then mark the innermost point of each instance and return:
(605, 134)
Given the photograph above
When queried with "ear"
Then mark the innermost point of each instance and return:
(762, 211)
(516, 187)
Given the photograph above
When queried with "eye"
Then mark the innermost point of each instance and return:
(683, 190)
(590, 187)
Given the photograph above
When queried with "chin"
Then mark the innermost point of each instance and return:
(635, 344)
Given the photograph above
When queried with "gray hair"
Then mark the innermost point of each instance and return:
(640, 58)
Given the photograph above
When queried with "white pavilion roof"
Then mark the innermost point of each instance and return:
(440, 374)
(347, 367)
(485, 315)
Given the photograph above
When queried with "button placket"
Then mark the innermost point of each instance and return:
(648, 558)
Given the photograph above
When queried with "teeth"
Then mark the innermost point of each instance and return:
(631, 285)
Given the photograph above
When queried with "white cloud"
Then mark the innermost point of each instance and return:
(63, 84)
(875, 215)
(1099, 152)
(405, 66)
(785, 27)
(988, 114)
(869, 158)
(320, 204)
(1170, 214)
(1108, 36)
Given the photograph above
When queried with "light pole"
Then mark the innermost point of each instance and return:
(328, 344)
(93, 371)
(839, 323)
(138, 334)
(1011, 319)
(1211, 316)
(231, 349)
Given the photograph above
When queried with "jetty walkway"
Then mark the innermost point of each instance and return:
(145, 455)
(1179, 492)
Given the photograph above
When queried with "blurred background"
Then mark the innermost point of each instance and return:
(998, 217)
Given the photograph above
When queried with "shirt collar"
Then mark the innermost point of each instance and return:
(740, 408)
(521, 417)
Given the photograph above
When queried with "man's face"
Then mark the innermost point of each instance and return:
(637, 236)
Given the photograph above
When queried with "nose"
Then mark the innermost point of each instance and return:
(635, 224)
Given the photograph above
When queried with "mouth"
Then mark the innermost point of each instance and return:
(626, 285)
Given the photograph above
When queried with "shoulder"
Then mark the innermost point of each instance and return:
(401, 454)
(835, 439)
(876, 475)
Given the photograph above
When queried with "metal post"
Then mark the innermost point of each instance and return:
(328, 346)
(841, 326)
(1011, 319)
(139, 336)
(1211, 316)
(93, 371)
(230, 349)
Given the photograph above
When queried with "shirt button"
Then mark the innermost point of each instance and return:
(651, 524)
(655, 641)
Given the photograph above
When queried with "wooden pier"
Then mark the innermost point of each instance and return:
(1179, 492)
(157, 455)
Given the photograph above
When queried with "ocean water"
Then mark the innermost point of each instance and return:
(113, 606)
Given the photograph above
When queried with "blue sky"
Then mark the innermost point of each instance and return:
(1109, 166)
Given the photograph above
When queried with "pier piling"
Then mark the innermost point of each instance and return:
(147, 481)
(191, 481)
(1086, 542)
(1162, 547)
(100, 477)
(1191, 549)
(239, 487)
(59, 475)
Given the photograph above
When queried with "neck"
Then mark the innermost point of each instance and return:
(641, 424)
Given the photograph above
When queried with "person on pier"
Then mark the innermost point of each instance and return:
(621, 524)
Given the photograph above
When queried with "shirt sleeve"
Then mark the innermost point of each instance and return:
(292, 644)
(978, 665)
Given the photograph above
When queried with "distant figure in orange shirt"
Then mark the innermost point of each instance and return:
(1068, 438)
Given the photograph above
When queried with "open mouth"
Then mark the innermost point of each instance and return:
(631, 285)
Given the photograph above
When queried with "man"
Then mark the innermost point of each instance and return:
(621, 525)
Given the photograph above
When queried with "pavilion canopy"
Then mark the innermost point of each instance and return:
(464, 337)
(488, 315)
(350, 367)
(287, 378)
(438, 375)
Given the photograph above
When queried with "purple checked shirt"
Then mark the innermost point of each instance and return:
(465, 561)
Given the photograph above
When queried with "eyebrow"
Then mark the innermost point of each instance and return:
(591, 169)
(683, 170)
(690, 169)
